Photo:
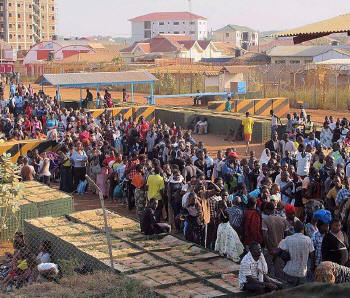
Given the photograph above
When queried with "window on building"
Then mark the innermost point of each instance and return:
(30, 6)
(53, 27)
(147, 34)
(192, 23)
(19, 47)
(161, 23)
(10, 14)
(53, 18)
(18, 5)
(161, 32)
(19, 15)
(53, 8)
(176, 32)
(227, 34)
(147, 25)
(308, 61)
(183, 32)
(10, 4)
(19, 25)
(294, 62)
(192, 32)
(30, 26)
(183, 23)
(280, 61)
(10, 25)
(30, 16)
(176, 23)
(10, 36)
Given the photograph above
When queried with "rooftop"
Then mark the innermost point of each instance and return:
(171, 16)
(334, 25)
(302, 51)
(96, 78)
(231, 27)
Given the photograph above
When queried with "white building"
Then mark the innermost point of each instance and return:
(153, 24)
(239, 36)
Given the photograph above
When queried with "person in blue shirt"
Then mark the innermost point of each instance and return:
(231, 166)
(18, 103)
(312, 140)
(12, 89)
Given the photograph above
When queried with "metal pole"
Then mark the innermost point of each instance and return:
(107, 228)
(153, 102)
(132, 92)
(294, 95)
(336, 91)
(315, 91)
(58, 93)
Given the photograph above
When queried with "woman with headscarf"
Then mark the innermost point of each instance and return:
(335, 244)
(265, 156)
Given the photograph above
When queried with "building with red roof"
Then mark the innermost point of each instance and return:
(173, 46)
(180, 23)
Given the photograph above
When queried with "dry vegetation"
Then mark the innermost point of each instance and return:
(95, 285)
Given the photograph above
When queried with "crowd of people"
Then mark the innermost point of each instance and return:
(284, 216)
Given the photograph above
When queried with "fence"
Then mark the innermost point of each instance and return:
(171, 266)
(315, 86)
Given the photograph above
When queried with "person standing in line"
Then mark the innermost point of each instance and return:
(125, 95)
(274, 122)
(248, 124)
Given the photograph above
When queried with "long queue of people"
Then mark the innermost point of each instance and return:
(283, 216)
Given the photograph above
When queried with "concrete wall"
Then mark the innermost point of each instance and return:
(218, 123)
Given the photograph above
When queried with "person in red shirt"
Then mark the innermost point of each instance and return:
(143, 128)
(252, 224)
(27, 126)
(84, 136)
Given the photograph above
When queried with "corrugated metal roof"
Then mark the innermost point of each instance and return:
(96, 78)
(302, 51)
(333, 25)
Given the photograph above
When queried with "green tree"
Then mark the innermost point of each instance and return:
(10, 190)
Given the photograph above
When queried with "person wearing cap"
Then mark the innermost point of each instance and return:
(323, 218)
(248, 124)
(292, 219)
(231, 166)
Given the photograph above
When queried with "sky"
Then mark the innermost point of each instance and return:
(110, 17)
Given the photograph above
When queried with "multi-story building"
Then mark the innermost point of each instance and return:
(26, 22)
(239, 36)
(184, 23)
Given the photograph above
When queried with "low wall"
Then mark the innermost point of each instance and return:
(260, 107)
(218, 123)
(20, 148)
(39, 201)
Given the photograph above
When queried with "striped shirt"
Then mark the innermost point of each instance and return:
(342, 196)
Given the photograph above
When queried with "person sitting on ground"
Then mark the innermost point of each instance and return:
(201, 126)
(148, 223)
(253, 272)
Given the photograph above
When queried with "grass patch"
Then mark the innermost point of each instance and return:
(97, 285)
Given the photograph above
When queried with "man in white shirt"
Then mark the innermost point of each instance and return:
(252, 273)
(300, 249)
(303, 161)
(288, 145)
